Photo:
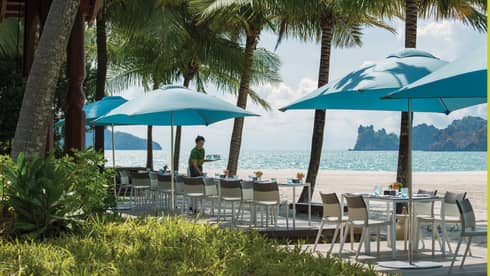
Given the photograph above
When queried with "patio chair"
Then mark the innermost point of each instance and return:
(124, 176)
(423, 211)
(332, 214)
(451, 216)
(165, 188)
(359, 218)
(247, 191)
(211, 192)
(266, 196)
(231, 192)
(194, 189)
(140, 183)
(468, 229)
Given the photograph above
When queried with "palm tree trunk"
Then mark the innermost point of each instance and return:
(410, 42)
(236, 136)
(149, 147)
(101, 73)
(178, 131)
(32, 126)
(319, 123)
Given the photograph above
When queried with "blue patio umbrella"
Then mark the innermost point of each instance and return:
(173, 106)
(362, 89)
(464, 78)
(99, 108)
(461, 81)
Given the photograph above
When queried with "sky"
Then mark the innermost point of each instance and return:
(292, 130)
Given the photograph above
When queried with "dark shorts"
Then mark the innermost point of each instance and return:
(194, 172)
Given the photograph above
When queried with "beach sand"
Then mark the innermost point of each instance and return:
(474, 183)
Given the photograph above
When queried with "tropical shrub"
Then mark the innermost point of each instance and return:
(41, 195)
(47, 196)
(166, 246)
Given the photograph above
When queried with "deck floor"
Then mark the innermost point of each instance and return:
(474, 265)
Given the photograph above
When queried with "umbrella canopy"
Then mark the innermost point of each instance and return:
(362, 89)
(96, 109)
(463, 79)
(173, 105)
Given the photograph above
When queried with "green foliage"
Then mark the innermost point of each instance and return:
(42, 197)
(167, 246)
(50, 196)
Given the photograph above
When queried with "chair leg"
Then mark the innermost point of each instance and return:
(334, 238)
(361, 241)
(352, 238)
(318, 235)
(345, 238)
(287, 216)
(455, 254)
(466, 252)
(378, 229)
(447, 240)
(266, 217)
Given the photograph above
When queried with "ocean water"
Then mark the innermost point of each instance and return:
(331, 160)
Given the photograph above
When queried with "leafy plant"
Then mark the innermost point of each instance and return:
(93, 183)
(167, 246)
(41, 193)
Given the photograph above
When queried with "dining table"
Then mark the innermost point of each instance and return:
(393, 200)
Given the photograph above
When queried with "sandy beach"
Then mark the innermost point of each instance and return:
(474, 183)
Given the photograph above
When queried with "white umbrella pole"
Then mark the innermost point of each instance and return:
(172, 160)
(410, 186)
(114, 159)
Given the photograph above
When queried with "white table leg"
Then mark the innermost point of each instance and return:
(294, 207)
(393, 230)
(309, 205)
(443, 225)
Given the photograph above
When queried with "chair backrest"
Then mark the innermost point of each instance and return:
(331, 205)
(210, 186)
(165, 181)
(466, 214)
(450, 203)
(123, 174)
(193, 185)
(266, 192)
(153, 180)
(140, 179)
(424, 207)
(230, 188)
(247, 190)
(357, 208)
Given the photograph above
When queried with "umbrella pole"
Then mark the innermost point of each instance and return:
(409, 183)
(172, 180)
(114, 159)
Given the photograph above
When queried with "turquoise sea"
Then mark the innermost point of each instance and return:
(331, 160)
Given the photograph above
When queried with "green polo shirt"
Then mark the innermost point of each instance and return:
(197, 155)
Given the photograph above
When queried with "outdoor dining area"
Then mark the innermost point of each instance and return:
(356, 218)
(251, 202)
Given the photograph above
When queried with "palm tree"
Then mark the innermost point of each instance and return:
(101, 70)
(32, 126)
(182, 49)
(470, 12)
(333, 23)
(245, 18)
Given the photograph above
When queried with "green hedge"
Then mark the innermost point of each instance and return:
(168, 246)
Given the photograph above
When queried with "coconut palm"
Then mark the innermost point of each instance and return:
(332, 23)
(35, 113)
(101, 38)
(181, 49)
(470, 12)
(245, 19)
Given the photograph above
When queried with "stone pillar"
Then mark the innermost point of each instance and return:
(75, 97)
